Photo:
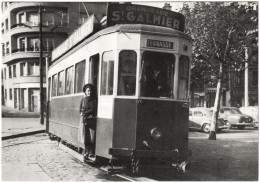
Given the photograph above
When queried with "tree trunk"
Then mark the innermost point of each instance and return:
(212, 132)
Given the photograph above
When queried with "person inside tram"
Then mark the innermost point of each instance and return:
(163, 87)
(150, 85)
(87, 125)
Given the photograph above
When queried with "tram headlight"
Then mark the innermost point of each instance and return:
(156, 133)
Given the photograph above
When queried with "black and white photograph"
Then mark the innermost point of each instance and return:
(135, 91)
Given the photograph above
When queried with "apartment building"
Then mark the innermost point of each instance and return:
(21, 44)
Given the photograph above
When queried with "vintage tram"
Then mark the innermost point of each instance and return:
(135, 123)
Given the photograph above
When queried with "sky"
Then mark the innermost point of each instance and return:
(176, 6)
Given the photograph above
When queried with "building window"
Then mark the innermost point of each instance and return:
(48, 44)
(32, 17)
(22, 69)
(61, 83)
(183, 77)
(34, 68)
(127, 73)
(3, 49)
(6, 25)
(54, 85)
(5, 94)
(80, 76)
(107, 73)
(69, 80)
(47, 18)
(254, 78)
(10, 72)
(61, 18)
(10, 94)
(4, 73)
(21, 18)
(7, 48)
(14, 70)
(21, 43)
(34, 44)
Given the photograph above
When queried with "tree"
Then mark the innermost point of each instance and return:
(220, 32)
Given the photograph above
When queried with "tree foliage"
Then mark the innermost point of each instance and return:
(220, 32)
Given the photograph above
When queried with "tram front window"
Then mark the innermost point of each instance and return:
(157, 75)
(127, 73)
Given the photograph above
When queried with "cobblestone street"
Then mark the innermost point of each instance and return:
(42, 155)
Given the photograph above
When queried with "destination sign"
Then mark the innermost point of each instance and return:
(159, 44)
(138, 14)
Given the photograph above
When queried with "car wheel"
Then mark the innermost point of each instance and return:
(229, 125)
(241, 127)
(205, 128)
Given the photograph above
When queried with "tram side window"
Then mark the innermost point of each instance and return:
(157, 75)
(61, 83)
(80, 76)
(54, 85)
(107, 73)
(49, 87)
(183, 77)
(127, 73)
(69, 80)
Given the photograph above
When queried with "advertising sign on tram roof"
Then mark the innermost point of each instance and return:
(139, 14)
(80, 33)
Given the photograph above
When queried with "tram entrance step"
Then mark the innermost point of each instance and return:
(112, 170)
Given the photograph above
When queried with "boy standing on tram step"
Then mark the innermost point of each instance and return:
(87, 124)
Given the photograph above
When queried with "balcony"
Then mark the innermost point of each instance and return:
(29, 27)
(22, 54)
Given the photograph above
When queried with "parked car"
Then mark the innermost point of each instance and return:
(251, 111)
(200, 118)
(235, 117)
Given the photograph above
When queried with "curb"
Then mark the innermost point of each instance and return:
(23, 134)
(16, 115)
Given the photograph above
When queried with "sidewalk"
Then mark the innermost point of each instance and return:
(17, 123)
(10, 112)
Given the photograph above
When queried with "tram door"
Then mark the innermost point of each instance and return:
(93, 71)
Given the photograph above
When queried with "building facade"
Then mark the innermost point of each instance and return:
(21, 45)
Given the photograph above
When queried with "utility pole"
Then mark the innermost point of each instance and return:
(41, 68)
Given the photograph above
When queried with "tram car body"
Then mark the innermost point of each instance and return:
(131, 122)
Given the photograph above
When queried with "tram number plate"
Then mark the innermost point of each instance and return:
(159, 44)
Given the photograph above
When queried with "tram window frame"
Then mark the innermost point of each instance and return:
(161, 74)
(54, 85)
(49, 89)
(77, 85)
(107, 73)
(61, 89)
(71, 81)
(127, 67)
(184, 72)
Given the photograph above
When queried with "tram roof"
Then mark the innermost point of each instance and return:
(129, 28)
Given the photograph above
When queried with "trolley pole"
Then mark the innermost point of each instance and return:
(41, 68)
